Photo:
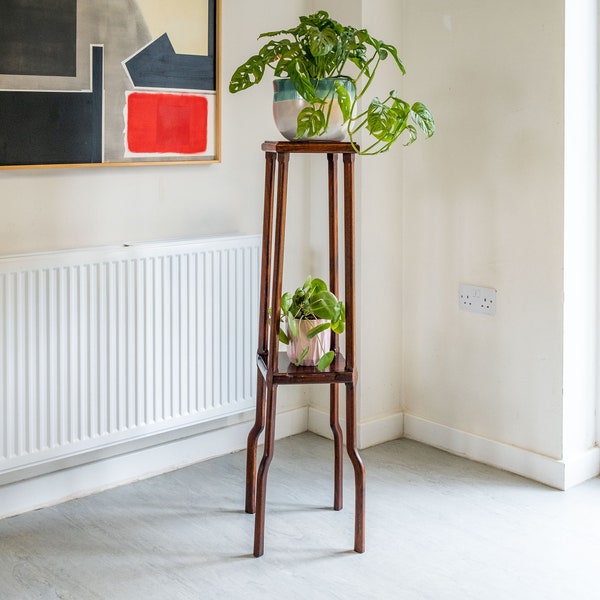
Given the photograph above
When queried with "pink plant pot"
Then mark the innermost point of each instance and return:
(317, 346)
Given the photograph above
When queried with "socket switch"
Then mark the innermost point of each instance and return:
(477, 299)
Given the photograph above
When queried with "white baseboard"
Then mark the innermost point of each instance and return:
(81, 480)
(556, 473)
(370, 433)
(582, 467)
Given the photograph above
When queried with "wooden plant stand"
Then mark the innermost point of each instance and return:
(274, 368)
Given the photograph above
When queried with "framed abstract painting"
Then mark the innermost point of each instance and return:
(109, 82)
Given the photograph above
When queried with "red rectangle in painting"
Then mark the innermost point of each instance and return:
(166, 123)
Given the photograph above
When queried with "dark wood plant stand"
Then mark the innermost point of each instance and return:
(274, 368)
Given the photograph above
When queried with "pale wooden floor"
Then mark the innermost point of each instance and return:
(438, 527)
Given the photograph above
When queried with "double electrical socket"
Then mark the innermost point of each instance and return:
(477, 299)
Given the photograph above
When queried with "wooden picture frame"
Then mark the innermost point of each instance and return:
(109, 82)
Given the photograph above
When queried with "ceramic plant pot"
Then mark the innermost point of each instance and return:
(317, 346)
(287, 104)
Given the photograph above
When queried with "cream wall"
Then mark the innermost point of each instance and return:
(48, 209)
(484, 204)
(481, 203)
(378, 251)
(64, 208)
(580, 368)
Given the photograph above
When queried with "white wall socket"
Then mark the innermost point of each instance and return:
(477, 299)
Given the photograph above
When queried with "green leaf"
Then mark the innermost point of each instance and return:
(311, 122)
(344, 101)
(283, 338)
(394, 52)
(412, 132)
(382, 53)
(276, 33)
(287, 61)
(423, 118)
(318, 285)
(271, 51)
(286, 302)
(317, 19)
(383, 122)
(322, 42)
(292, 325)
(301, 79)
(311, 333)
(338, 327)
(247, 75)
(326, 360)
(324, 305)
(301, 357)
(400, 107)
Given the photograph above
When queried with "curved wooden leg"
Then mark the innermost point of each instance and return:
(338, 446)
(359, 469)
(252, 445)
(263, 327)
(263, 469)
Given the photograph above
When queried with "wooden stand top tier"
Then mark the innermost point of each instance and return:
(310, 147)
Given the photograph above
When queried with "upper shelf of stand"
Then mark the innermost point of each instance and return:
(310, 147)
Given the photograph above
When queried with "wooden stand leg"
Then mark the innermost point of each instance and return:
(334, 286)
(261, 481)
(265, 280)
(252, 445)
(338, 448)
(351, 447)
(273, 352)
(359, 470)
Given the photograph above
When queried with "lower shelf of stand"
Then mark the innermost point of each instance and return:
(288, 373)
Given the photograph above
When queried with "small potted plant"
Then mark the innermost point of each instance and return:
(323, 70)
(310, 314)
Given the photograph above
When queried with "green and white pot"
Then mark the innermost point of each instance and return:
(287, 104)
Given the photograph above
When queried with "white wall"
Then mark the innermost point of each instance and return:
(63, 208)
(483, 205)
(48, 209)
(580, 385)
(481, 202)
(378, 249)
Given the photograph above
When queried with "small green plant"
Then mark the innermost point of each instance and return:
(312, 301)
(320, 48)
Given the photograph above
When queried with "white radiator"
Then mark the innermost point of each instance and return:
(104, 346)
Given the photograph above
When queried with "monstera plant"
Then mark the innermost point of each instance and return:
(330, 67)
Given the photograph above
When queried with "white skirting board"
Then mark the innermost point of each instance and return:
(82, 480)
(370, 433)
(229, 435)
(560, 474)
